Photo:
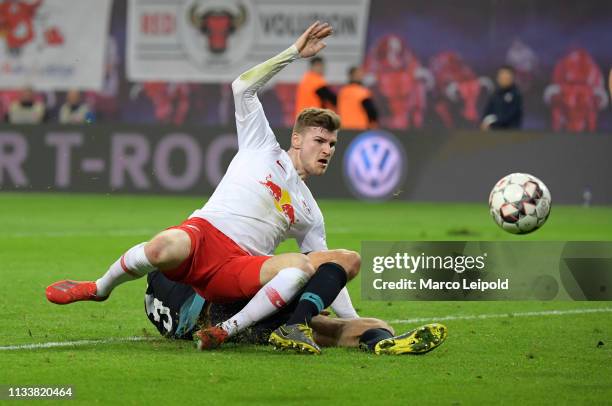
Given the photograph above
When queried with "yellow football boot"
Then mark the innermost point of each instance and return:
(297, 337)
(418, 341)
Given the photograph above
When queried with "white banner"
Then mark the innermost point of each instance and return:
(216, 40)
(53, 44)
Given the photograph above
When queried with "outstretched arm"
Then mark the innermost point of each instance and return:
(246, 86)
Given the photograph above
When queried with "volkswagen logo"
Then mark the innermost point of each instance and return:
(374, 165)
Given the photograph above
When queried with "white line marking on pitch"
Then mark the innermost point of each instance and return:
(75, 343)
(505, 315)
(408, 321)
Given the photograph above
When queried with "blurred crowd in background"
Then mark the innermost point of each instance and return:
(394, 87)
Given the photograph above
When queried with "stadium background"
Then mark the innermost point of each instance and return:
(435, 28)
(534, 36)
(437, 50)
(552, 352)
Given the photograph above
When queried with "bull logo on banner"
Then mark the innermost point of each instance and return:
(217, 23)
(18, 28)
(216, 33)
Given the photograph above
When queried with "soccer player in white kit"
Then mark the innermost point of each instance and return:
(224, 250)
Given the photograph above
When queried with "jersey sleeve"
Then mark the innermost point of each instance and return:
(254, 130)
(313, 239)
(252, 126)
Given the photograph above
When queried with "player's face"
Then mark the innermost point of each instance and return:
(317, 149)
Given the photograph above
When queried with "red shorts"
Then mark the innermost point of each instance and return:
(217, 268)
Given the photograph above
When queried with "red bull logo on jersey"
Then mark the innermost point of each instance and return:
(282, 199)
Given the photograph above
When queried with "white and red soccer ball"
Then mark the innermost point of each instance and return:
(520, 203)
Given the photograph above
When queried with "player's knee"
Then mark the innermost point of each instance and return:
(167, 249)
(351, 261)
(157, 249)
(274, 265)
(354, 261)
(303, 263)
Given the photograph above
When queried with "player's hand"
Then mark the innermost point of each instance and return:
(311, 41)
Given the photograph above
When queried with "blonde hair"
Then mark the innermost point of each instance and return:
(316, 117)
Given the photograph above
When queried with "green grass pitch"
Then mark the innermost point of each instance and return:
(513, 360)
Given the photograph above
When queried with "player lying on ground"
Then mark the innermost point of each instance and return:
(224, 249)
(176, 310)
(318, 293)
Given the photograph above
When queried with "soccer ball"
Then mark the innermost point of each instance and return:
(520, 203)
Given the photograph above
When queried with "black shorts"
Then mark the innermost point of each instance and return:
(177, 312)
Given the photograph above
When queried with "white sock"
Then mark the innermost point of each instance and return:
(271, 297)
(343, 307)
(132, 265)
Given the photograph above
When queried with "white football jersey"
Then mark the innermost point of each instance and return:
(262, 200)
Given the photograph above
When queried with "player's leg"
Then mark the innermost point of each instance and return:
(282, 282)
(259, 333)
(271, 285)
(350, 261)
(276, 264)
(334, 332)
(166, 251)
(176, 311)
(374, 335)
(370, 334)
(319, 293)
